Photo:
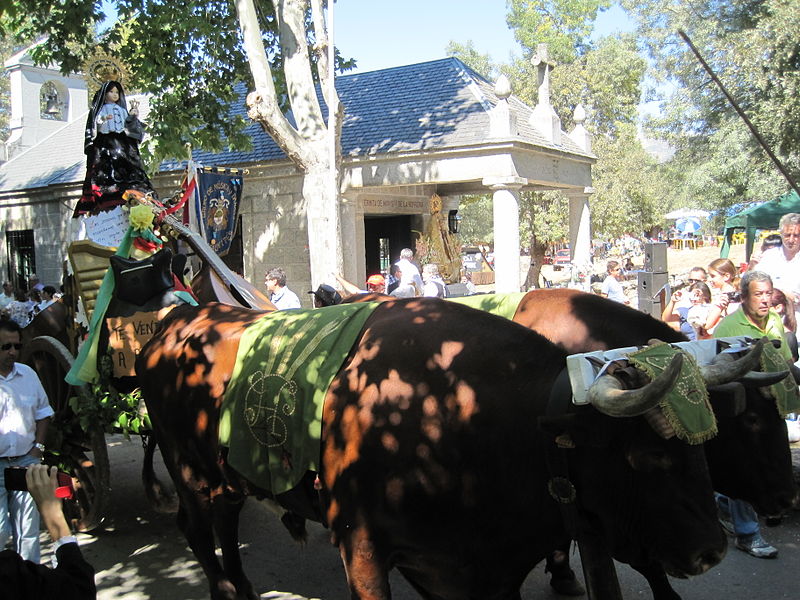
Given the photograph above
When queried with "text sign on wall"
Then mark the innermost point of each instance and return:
(127, 336)
(390, 204)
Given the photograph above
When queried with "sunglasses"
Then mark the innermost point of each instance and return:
(7, 347)
(695, 280)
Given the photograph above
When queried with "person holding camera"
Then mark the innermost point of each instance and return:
(24, 415)
(722, 276)
(72, 578)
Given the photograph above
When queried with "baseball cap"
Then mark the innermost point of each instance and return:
(376, 280)
(327, 295)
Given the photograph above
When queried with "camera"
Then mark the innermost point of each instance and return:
(15, 481)
(734, 296)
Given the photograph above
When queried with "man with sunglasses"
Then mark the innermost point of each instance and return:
(24, 415)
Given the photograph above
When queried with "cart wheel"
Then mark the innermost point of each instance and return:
(86, 456)
(91, 480)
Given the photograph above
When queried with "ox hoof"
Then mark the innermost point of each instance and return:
(565, 583)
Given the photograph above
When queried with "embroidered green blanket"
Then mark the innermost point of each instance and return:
(787, 397)
(502, 305)
(272, 411)
(686, 407)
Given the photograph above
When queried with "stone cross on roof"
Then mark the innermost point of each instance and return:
(541, 60)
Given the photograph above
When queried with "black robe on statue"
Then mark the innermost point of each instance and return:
(113, 163)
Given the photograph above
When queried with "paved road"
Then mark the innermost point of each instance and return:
(142, 555)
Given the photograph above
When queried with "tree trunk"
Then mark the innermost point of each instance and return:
(537, 251)
(324, 224)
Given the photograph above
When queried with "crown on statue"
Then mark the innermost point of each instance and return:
(101, 67)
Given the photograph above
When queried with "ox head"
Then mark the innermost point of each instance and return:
(661, 484)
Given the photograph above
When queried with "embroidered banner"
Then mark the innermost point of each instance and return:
(219, 192)
(272, 412)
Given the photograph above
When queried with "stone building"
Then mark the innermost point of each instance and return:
(409, 132)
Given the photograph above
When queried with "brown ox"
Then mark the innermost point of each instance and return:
(432, 461)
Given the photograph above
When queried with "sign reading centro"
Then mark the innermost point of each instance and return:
(127, 336)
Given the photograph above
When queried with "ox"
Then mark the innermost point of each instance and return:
(749, 458)
(431, 459)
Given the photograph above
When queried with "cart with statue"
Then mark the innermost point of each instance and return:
(87, 371)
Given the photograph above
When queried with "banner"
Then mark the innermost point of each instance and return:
(219, 192)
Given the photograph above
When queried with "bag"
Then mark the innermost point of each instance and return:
(137, 281)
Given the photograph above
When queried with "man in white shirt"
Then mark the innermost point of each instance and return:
(782, 264)
(281, 296)
(612, 288)
(409, 275)
(24, 416)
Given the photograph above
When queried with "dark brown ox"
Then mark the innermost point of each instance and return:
(432, 461)
(749, 459)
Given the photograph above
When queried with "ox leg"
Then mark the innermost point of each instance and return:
(195, 524)
(366, 570)
(226, 511)
(658, 581)
(562, 577)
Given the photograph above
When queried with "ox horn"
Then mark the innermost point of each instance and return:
(725, 368)
(795, 371)
(607, 396)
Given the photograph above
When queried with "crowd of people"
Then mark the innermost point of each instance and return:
(404, 280)
(22, 306)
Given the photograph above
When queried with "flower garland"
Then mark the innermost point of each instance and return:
(141, 221)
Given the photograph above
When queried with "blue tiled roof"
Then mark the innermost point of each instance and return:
(424, 106)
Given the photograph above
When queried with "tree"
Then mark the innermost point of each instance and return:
(753, 48)
(191, 55)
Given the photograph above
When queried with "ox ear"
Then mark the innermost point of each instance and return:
(727, 399)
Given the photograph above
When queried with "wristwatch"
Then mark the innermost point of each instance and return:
(39, 446)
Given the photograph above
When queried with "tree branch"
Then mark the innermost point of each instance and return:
(297, 69)
(262, 104)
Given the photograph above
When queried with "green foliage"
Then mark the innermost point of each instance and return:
(106, 407)
(188, 55)
(477, 221)
(469, 55)
(564, 25)
(630, 194)
(753, 48)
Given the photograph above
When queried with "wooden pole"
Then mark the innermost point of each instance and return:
(740, 112)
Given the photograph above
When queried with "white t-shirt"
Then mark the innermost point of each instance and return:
(785, 274)
(409, 274)
(613, 289)
(22, 403)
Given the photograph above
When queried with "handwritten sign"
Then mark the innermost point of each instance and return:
(127, 336)
(107, 228)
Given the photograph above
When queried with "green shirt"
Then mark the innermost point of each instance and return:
(737, 323)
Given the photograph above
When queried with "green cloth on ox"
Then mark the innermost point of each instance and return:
(502, 305)
(787, 398)
(686, 406)
(272, 411)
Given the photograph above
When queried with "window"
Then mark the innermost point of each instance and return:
(21, 257)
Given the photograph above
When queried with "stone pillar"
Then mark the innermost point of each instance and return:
(505, 202)
(580, 234)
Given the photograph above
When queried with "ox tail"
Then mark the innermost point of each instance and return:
(158, 496)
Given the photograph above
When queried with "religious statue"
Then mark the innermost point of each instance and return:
(113, 163)
(443, 247)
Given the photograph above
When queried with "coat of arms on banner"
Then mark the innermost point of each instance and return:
(219, 194)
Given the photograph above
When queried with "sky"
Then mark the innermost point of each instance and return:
(381, 33)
